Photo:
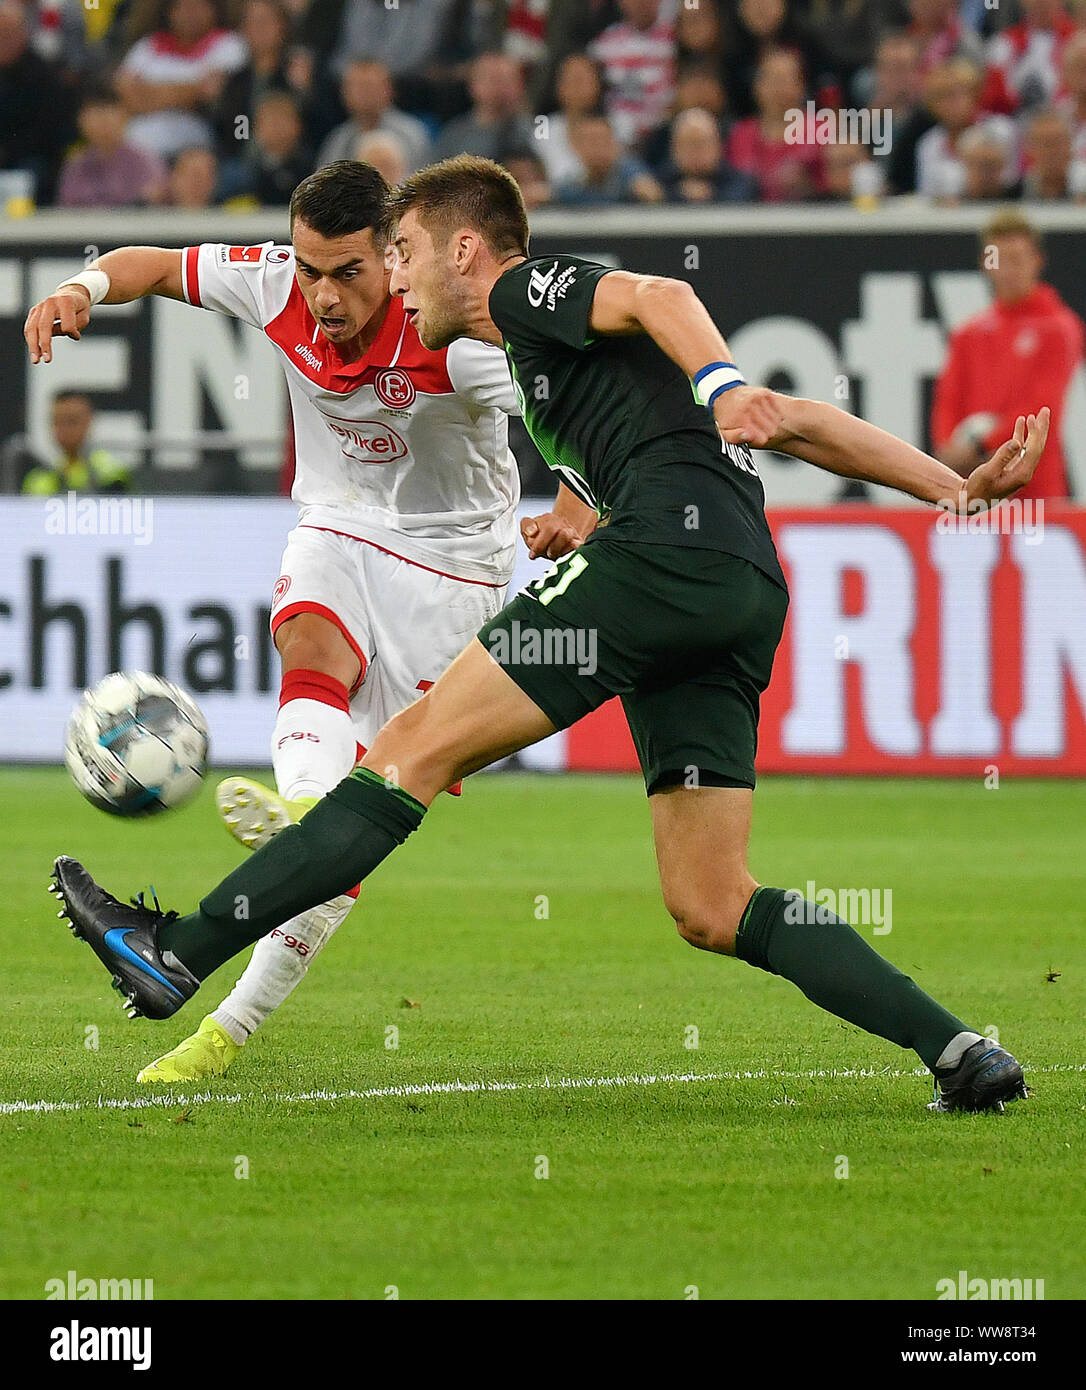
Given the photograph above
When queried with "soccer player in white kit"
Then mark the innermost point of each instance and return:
(406, 534)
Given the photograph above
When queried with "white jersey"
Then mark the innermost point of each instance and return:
(405, 448)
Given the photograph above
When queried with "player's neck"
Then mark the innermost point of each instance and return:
(482, 326)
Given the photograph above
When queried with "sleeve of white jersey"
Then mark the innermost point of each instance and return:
(481, 373)
(236, 280)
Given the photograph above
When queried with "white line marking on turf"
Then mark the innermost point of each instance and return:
(439, 1088)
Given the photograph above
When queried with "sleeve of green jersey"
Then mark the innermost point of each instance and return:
(549, 298)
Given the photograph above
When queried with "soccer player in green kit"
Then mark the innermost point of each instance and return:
(630, 393)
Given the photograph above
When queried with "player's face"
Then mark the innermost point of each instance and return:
(434, 294)
(344, 279)
(1014, 269)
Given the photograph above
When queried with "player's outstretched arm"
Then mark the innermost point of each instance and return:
(671, 313)
(842, 443)
(118, 277)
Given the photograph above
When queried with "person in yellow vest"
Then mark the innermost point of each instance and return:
(76, 467)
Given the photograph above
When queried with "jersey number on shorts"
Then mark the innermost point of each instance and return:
(565, 571)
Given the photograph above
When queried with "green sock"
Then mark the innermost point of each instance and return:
(334, 846)
(837, 970)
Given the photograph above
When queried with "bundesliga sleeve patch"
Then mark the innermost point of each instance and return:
(241, 255)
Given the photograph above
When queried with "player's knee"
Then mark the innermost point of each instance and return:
(709, 923)
(312, 643)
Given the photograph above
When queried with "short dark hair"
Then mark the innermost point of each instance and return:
(344, 197)
(467, 191)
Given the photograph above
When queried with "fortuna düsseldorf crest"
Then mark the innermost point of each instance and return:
(394, 388)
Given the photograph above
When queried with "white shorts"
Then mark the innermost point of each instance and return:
(405, 622)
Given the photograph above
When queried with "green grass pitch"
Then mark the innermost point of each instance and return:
(519, 939)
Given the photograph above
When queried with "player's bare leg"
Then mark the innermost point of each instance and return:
(471, 717)
(701, 837)
(313, 748)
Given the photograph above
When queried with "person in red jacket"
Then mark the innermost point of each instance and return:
(1020, 352)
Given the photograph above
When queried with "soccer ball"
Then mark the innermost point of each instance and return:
(136, 745)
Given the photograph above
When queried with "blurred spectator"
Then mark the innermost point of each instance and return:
(107, 171)
(896, 77)
(1024, 60)
(697, 171)
(988, 154)
(698, 87)
(759, 27)
(941, 35)
(76, 466)
(699, 34)
(385, 151)
(785, 169)
(496, 126)
(841, 36)
(171, 80)
(272, 66)
(841, 160)
(952, 96)
(37, 121)
(519, 28)
(279, 157)
(1073, 100)
(58, 33)
(405, 37)
(637, 56)
(580, 93)
(531, 177)
(193, 178)
(610, 175)
(1014, 357)
(366, 90)
(1048, 157)
(571, 27)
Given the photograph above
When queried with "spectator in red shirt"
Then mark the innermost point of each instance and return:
(1024, 60)
(1016, 356)
(786, 170)
(939, 31)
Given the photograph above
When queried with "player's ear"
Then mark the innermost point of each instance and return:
(466, 246)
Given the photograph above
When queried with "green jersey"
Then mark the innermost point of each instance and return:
(618, 421)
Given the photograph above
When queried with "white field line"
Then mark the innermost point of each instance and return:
(172, 1099)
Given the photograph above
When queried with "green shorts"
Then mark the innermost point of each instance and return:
(685, 637)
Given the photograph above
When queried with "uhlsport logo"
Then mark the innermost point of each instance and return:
(76, 1343)
(394, 388)
(306, 353)
(369, 441)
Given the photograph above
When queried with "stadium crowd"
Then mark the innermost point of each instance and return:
(198, 103)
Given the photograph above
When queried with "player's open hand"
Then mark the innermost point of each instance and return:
(63, 315)
(549, 537)
(1010, 467)
(751, 415)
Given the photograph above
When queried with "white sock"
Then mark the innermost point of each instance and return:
(313, 744)
(951, 1055)
(313, 749)
(277, 966)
